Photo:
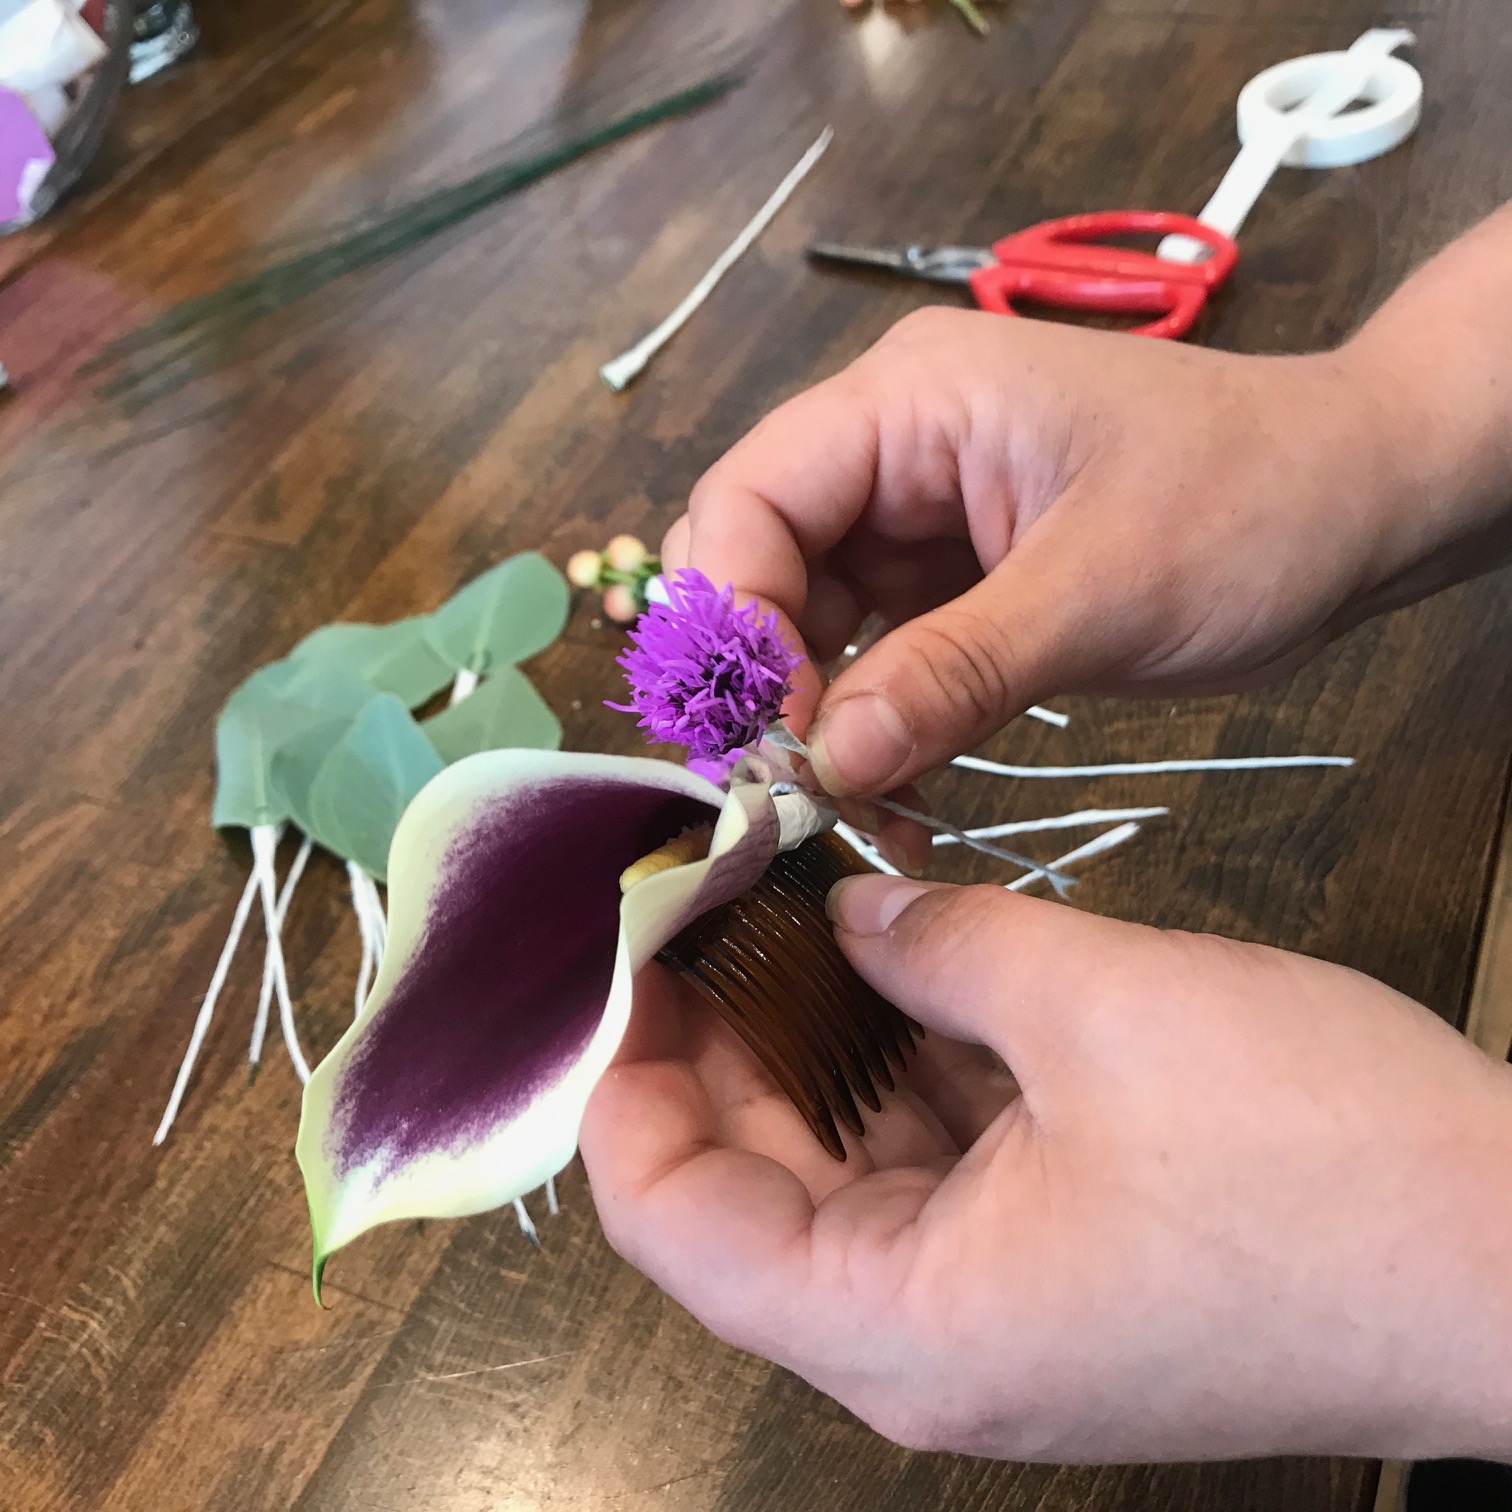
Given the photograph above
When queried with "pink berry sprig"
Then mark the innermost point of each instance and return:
(620, 572)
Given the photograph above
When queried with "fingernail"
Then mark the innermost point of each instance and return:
(912, 843)
(896, 853)
(860, 745)
(868, 905)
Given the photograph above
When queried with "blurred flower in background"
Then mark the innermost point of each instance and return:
(63, 64)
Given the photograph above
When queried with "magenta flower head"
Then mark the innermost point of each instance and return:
(703, 673)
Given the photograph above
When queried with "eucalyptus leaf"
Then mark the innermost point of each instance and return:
(503, 710)
(297, 764)
(275, 706)
(396, 658)
(367, 780)
(509, 613)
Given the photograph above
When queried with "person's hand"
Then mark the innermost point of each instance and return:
(1046, 510)
(1236, 1202)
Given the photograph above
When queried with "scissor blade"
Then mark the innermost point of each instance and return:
(936, 264)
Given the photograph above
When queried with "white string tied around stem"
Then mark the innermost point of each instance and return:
(784, 739)
(365, 929)
(376, 918)
(1058, 821)
(623, 370)
(1056, 878)
(1048, 716)
(265, 992)
(1094, 847)
(373, 927)
(527, 1224)
(207, 1008)
(264, 844)
(1138, 768)
(865, 849)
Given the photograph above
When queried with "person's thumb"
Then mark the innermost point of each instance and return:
(939, 684)
(977, 964)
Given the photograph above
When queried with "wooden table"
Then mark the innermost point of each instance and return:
(362, 456)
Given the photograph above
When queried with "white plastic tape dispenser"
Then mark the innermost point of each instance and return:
(1297, 115)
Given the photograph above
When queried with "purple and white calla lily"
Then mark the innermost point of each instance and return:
(506, 987)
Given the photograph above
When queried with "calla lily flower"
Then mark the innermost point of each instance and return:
(507, 983)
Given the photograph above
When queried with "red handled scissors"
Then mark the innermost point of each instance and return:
(1060, 263)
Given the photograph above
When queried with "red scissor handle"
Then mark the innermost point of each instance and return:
(1058, 263)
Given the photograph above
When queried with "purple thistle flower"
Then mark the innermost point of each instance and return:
(702, 672)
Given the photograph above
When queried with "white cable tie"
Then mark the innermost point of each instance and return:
(621, 371)
(463, 684)
(207, 1008)
(1140, 768)
(264, 842)
(1105, 841)
(265, 992)
(1293, 115)
(1059, 821)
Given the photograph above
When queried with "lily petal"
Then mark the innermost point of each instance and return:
(507, 983)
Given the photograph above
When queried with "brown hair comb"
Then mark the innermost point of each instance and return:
(769, 964)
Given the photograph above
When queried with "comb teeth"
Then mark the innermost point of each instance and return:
(769, 964)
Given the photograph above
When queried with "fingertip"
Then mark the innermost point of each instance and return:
(676, 544)
(870, 904)
(906, 842)
(978, 964)
(798, 708)
(860, 745)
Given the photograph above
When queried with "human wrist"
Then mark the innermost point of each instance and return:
(1435, 454)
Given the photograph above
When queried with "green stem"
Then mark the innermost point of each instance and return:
(972, 15)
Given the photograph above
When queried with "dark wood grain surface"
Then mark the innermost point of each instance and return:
(364, 454)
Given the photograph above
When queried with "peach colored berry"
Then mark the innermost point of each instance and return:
(583, 568)
(620, 605)
(625, 553)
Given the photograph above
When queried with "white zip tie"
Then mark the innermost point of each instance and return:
(463, 684)
(265, 992)
(619, 373)
(552, 1205)
(1135, 768)
(1094, 847)
(1059, 821)
(865, 849)
(207, 1008)
(1049, 716)
(264, 842)
(527, 1226)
